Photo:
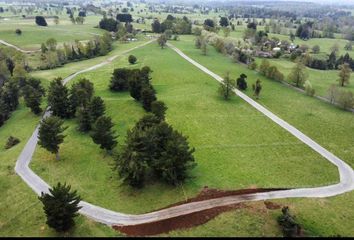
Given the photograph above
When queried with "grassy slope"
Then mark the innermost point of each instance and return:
(21, 211)
(32, 35)
(226, 141)
(328, 216)
(320, 80)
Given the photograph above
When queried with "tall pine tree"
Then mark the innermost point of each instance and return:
(60, 206)
(102, 133)
(58, 99)
(50, 134)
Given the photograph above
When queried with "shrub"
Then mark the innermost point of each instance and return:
(345, 99)
(132, 59)
(288, 223)
(40, 21)
(11, 141)
(309, 89)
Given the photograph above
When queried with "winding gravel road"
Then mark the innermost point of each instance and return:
(109, 217)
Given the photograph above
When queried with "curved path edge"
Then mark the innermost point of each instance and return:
(110, 217)
(17, 48)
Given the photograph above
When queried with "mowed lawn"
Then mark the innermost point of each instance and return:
(236, 146)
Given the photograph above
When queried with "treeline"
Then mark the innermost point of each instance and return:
(52, 56)
(332, 62)
(174, 24)
(137, 82)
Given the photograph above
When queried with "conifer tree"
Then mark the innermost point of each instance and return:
(33, 93)
(50, 134)
(159, 109)
(97, 108)
(61, 206)
(102, 133)
(147, 97)
(84, 118)
(58, 99)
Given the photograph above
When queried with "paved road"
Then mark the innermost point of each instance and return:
(17, 48)
(109, 217)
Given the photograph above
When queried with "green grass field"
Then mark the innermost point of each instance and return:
(229, 137)
(32, 35)
(236, 146)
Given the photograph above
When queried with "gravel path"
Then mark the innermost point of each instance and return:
(109, 217)
(17, 48)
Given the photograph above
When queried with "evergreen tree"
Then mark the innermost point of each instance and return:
(102, 133)
(172, 156)
(147, 97)
(58, 99)
(81, 94)
(84, 118)
(241, 82)
(97, 108)
(40, 21)
(4, 112)
(10, 95)
(60, 206)
(132, 59)
(159, 109)
(153, 144)
(224, 22)
(32, 93)
(156, 26)
(120, 79)
(132, 163)
(50, 134)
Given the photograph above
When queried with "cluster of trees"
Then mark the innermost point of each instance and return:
(153, 147)
(116, 25)
(174, 24)
(137, 82)
(227, 85)
(329, 63)
(269, 71)
(121, 31)
(52, 56)
(77, 20)
(15, 83)
(78, 102)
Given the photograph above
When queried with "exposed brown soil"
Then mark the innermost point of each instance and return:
(193, 219)
(271, 205)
